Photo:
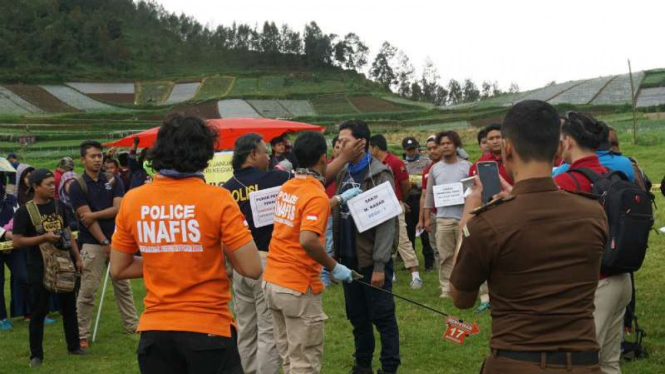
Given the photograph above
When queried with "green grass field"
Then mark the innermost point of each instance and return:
(214, 87)
(423, 350)
(654, 78)
(153, 92)
(244, 86)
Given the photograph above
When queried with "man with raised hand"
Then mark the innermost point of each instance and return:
(185, 230)
(96, 197)
(370, 254)
(292, 282)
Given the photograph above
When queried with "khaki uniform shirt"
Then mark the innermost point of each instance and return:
(415, 170)
(540, 254)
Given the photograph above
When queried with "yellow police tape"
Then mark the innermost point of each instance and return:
(8, 246)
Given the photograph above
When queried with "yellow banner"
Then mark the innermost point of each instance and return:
(220, 169)
(8, 245)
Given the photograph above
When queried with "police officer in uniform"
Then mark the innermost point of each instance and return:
(415, 164)
(539, 249)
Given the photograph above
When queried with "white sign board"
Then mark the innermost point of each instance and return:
(374, 207)
(448, 194)
(263, 204)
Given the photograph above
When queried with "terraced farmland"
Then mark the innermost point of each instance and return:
(115, 93)
(40, 98)
(236, 108)
(583, 93)
(244, 86)
(13, 104)
(271, 85)
(153, 92)
(214, 87)
(548, 92)
(654, 78)
(76, 99)
(270, 108)
(371, 104)
(183, 92)
(333, 104)
(618, 90)
(298, 108)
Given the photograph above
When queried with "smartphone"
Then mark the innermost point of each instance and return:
(488, 171)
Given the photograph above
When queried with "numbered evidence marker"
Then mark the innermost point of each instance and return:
(448, 194)
(374, 207)
(263, 203)
(457, 330)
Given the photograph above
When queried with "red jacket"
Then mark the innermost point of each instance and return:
(576, 182)
(491, 157)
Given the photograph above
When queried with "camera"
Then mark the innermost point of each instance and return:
(65, 242)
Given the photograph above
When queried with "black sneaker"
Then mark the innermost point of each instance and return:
(78, 352)
(361, 370)
(35, 362)
(385, 372)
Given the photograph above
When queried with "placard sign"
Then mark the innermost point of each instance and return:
(457, 330)
(263, 204)
(448, 194)
(219, 169)
(374, 207)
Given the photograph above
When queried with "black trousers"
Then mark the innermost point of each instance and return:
(40, 307)
(20, 289)
(411, 222)
(181, 352)
(366, 307)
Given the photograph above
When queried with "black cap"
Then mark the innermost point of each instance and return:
(37, 176)
(410, 142)
(11, 155)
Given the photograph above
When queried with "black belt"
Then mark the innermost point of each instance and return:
(586, 358)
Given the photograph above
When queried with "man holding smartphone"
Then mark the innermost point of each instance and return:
(539, 250)
(494, 140)
(451, 169)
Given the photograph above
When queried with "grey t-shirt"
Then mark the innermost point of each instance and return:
(443, 173)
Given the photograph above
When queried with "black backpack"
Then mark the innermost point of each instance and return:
(630, 217)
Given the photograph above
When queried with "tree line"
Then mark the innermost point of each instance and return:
(127, 35)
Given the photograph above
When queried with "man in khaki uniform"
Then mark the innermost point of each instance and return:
(539, 250)
(97, 203)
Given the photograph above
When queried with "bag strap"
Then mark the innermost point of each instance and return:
(592, 176)
(83, 185)
(34, 214)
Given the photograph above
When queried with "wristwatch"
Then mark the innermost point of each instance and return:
(339, 199)
(105, 242)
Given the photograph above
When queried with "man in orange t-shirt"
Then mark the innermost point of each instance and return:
(179, 223)
(297, 253)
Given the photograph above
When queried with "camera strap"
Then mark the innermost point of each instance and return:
(35, 216)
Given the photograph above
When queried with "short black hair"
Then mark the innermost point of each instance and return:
(492, 127)
(184, 143)
(482, 134)
(380, 141)
(113, 161)
(588, 132)
(335, 139)
(277, 140)
(309, 148)
(359, 130)
(244, 146)
(533, 127)
(87, 144)
(123, 158)
(452, 135)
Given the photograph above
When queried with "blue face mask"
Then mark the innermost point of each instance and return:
(361, 165)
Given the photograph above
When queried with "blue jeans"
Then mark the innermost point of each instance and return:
(367, 308)
(330, 250)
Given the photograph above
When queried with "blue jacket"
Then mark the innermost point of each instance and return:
(611, 160)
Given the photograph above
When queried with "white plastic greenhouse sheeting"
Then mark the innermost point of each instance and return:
(236, 108)
(10, 103)
(76, 99)
(618, 91)
(270, 108)
(651, 97)
(182, 92)
(583, 93)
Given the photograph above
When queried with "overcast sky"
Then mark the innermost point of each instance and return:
(527, 42)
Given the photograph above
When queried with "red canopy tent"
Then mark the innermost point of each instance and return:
(229, 129)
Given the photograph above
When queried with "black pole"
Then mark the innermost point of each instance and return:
(403, 298)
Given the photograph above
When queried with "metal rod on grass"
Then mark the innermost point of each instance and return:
(403, 298)
(101, 302)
